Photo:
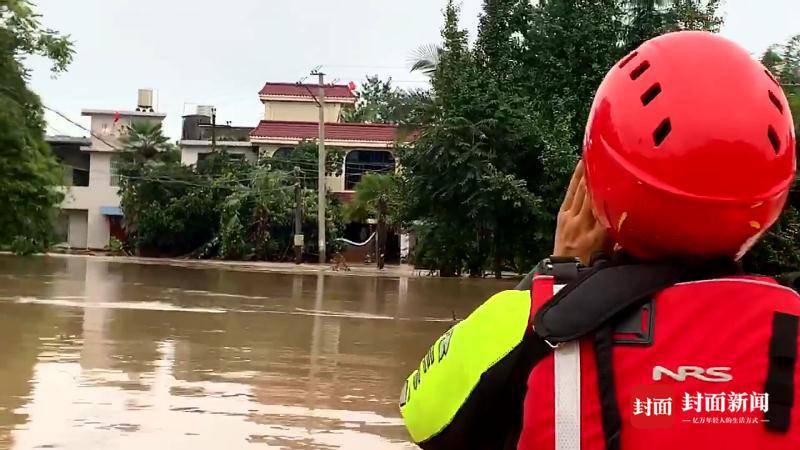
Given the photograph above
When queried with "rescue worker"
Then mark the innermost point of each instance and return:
(688, 159)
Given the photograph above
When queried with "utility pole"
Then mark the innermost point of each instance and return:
(321, 218)
(213, 129)
(380, 237)
(298, 217)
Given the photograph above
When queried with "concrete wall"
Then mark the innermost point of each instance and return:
(303, 111)
(100, 171)
(189, 155)
(104, 127)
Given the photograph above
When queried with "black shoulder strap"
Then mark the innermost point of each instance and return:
(609, 407)
(599, 295)
(780, 375)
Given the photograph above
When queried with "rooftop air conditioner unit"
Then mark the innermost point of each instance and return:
(145, 102)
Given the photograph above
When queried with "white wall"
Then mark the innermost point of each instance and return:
(91, 198)
(302, 111)
(105, 131)
(189, 155)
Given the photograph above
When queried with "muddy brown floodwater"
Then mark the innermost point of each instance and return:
(107, 355)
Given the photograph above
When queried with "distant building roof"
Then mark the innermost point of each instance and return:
(109, 112)
(335, 93)
(60, 139)
(207, 143)
(346, 132)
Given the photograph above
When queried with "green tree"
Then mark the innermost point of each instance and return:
(380, 102)
(778, 251)
(505, 123)
(221, 208)
(29, 173)
(647, 18)
(154, 193)
(304, 157)
(377, 196)
(425, 58)
(463, 170)
(145, 140)
(169, 209)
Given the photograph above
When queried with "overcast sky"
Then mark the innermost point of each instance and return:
(221, 53)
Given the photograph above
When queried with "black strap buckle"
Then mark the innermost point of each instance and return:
(629, 331)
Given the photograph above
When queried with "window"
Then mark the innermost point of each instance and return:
(75, 164)
(80, 177)
(359, 162)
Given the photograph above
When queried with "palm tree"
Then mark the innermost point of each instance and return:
(374, 195)
(425, 59)
(145, 139)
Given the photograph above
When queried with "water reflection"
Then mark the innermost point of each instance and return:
(107, 355)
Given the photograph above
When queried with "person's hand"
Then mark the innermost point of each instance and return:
(578, 234)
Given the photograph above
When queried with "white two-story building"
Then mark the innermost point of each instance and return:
(91, 211)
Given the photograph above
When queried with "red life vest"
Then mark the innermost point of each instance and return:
(715, 345)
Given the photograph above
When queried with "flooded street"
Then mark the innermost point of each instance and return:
(107, 355)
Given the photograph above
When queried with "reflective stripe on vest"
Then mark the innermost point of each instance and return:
(567, 374)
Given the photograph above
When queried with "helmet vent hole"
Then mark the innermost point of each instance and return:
(775, 101)
(651, 94)
(639, 70)
(661, 133)
(772, 77)
(627, 59)
(774, 139)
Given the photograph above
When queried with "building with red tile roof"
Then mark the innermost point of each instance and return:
(334, 93)
(291, 115)
(336, 134)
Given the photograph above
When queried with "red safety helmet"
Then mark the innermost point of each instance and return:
(689, 149)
